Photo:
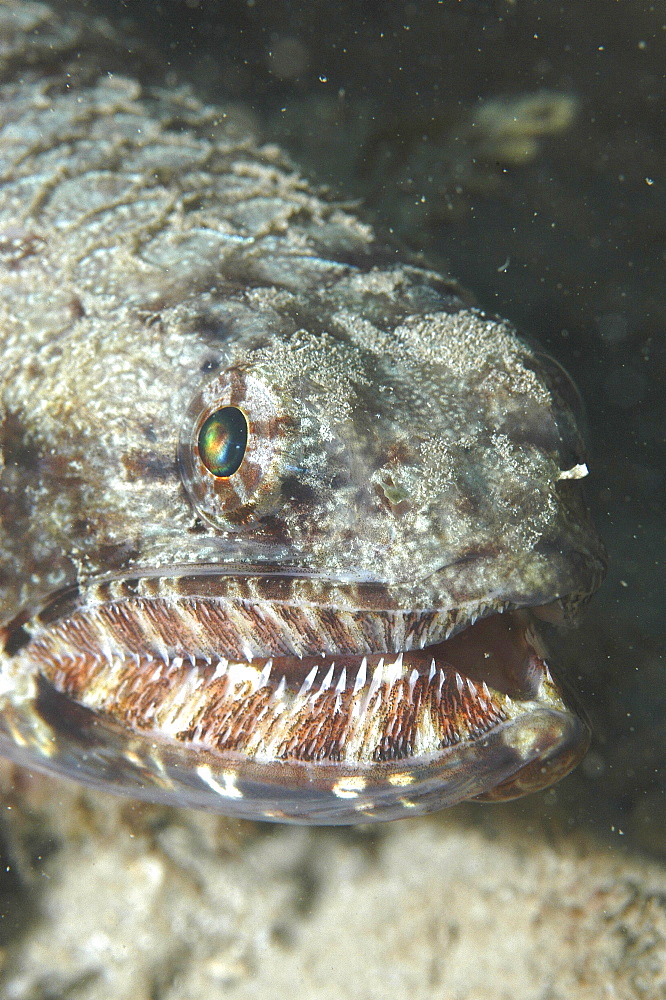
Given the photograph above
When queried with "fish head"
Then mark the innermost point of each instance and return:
(279, 554)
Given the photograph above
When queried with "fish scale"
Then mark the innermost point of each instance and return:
(275, 501)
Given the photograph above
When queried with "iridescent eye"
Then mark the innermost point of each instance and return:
(223, 441)
(230, 448)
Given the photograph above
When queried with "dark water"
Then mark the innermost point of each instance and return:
(520, 145)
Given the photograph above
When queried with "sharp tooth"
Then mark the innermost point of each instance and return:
(486, 692)
(374, 683)
(394, 671)
(361, 675)
(459, 683)
(279, 691)
(441, 683)
(326, 683)
(342, 682)
(413, 677)
(220, 669)
(432, 670)
(471, 687)
(265, 674)
(308, 682)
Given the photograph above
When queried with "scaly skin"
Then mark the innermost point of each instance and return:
(411, 466)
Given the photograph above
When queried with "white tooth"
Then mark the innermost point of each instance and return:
(326, 683)
(220, 669)
(374, 684)
(248, 652)
(308, 682)
(471, 687)
(486, 692)
(155, 676)
(176, 663)
(279, 691)
(432, 670)
(413, 677)
(342, 682)
(361, 675)
(459, 683)
(265, 674)
(394, 671)
(441, 682)
(192, 658)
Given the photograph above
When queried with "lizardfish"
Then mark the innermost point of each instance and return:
(280, 512)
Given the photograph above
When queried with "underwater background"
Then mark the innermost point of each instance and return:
(518, 145)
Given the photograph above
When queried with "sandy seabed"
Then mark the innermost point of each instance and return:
(120, 900)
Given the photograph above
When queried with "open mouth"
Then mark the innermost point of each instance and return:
(351, 708)
(139, 664)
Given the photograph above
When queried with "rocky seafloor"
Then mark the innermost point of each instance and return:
(520, 145)
(116, 899)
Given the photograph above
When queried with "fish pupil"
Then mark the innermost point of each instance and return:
(223, 440)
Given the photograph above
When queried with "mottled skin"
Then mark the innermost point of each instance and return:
(410, 451)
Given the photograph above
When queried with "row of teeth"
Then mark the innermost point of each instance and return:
(368, 693)
(179, 703)
(388, 673)
(81, 637)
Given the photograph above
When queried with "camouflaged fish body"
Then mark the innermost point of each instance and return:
(288, 632)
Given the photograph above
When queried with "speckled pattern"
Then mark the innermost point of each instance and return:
(411, 466)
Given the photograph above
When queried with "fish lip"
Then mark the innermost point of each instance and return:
(499, 596)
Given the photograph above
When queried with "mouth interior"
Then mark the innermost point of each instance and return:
(500, 651)
(352, 708)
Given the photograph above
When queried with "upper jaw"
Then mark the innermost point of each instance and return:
(286, 610)
(200, 614)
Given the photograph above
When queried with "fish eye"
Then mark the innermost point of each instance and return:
(222, 441)
(230, 448)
